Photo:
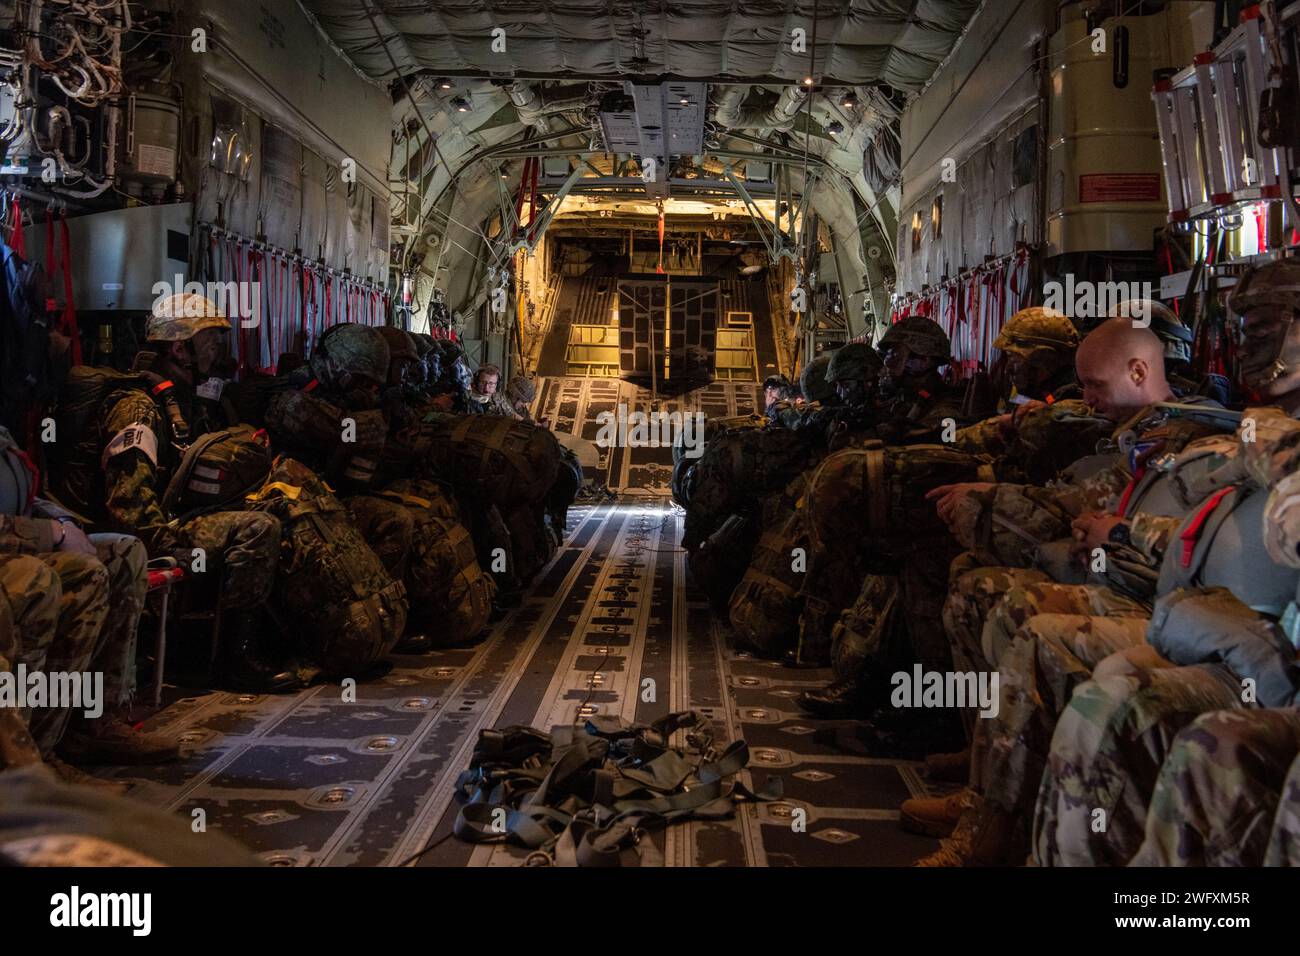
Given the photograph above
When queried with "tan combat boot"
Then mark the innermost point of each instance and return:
(78, 778)
(111, 740)
(984, 836)
(935, 816)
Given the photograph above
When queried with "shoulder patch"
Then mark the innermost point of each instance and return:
(134, 436)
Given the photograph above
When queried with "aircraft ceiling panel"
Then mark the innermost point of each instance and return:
(858, 42)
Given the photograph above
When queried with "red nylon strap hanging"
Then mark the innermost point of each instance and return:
(16, 241)
(51, 263)
(68, 322)
(1122, 508)
(659, 269)
(1193, 532)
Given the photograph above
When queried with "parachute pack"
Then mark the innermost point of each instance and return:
(331, 585)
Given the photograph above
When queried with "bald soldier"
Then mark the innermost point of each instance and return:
(1120, 366)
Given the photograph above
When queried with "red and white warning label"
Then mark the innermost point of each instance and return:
(1119, 187)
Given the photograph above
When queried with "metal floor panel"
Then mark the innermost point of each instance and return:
(311, 779)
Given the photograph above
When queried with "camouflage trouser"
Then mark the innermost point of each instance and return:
(17, 748)
(1284, 843)
(1220, 790)
(832, 584)
(972, 593)
(125, 559)
(247, 545)
(59, 602)
(1045, 640)
(1107, 752)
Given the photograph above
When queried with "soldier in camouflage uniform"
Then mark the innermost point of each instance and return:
(137, 434)
(1225, 796)
(85, 639)
(1117, 731)
(1041, 635)
(1039, 344)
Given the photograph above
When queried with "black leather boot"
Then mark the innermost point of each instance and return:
(839, 699)
(242, 662)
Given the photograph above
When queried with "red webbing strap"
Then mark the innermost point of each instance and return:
(1128, 491)
(16, 241)
(1193, 532)
(68, 322)
(51, 262)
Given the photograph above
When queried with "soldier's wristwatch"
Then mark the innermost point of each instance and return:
(1119, 534)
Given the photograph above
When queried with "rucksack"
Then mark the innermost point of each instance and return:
(330, 587)
(218, 469)
(450, 596)
(766, 604)
(488, 458)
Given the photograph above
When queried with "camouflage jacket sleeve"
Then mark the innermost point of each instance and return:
(1270, 445)
(308, 419)
(1150, 534)
(19, 535)
(983, 438)
(134, 434)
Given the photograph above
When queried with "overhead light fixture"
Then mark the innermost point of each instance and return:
(685, 101)
(504, 174)
(849, 101)
(835, 127)
(461, 104)
(808, 81)
(444, 83)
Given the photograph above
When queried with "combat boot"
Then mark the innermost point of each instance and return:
(949, 767)
(78, 778)
(414, 644)
(839, 700)
(241, 663)
(112, 741)
(984, 836)
(955, 850)
(935, 816)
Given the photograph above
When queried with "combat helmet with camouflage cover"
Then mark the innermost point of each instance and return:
(1036, 328)
(400, 343)
(179, 318)
(856, 360)
(521, 388)
(357, 350)
(921, 335)
(812, 380)
(1264, 354)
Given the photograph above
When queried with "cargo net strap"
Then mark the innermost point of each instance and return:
(582, 795)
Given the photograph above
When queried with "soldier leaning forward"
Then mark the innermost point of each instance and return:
(336, 415)
(119, 436)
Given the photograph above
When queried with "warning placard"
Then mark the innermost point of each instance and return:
(1119, 187)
